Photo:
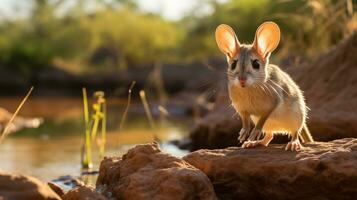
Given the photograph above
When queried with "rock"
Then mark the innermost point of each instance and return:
(145, 172)
(18, 123)
(83, 193)
(219, 129)
(56, 188)
(68, 182)
(16, 186)
(329, 85)
(320, 171)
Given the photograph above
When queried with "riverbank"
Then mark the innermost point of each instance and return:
(55, 81)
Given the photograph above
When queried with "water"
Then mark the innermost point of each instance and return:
(54, 149)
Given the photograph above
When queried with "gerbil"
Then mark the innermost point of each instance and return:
(261, 91)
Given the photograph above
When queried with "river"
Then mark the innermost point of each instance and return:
(54, 149)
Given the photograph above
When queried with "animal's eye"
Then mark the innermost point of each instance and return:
(255, 64)
(234, 64)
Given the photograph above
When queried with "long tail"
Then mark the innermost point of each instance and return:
(305, 135)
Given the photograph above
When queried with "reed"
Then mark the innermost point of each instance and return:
(87, 154)
(92, 123)
(103, 140)
(98, 116)
(98, 113)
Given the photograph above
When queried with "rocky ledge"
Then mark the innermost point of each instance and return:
(322, 170)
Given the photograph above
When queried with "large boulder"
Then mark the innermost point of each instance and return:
(329, 84)
(16, 186)
(145, 172)
(320, 171)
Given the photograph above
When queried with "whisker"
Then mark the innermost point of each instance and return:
(231, 74)
(277, 93)
(207, 84)
(265, 89)
(279, 87)
(260, 85)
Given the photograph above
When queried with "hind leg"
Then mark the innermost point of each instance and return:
(263, 142)
(294, 144)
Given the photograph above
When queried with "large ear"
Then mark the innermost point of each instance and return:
(227, 40)
(267, 38)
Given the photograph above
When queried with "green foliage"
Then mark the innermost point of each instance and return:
(135, 38)
(308, 26)
(117, 34)
(33, 43)
(316, 25)
(131, 37)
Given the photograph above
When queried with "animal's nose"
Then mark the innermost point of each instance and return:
(242, 81)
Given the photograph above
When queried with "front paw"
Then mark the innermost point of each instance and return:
(293, 146)
(250, 144)
(243, 135)
(255, 134)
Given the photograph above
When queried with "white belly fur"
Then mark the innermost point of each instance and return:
(284, 119)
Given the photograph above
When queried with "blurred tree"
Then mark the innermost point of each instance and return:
(32, 44)
(308, 26)
(132, 38)
(114, 34)
(118, 34)
(317, 25)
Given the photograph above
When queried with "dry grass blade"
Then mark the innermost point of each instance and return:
(147, 109)
(164, 111)
(5, 132)
(125, 113)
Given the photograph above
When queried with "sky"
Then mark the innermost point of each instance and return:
(169, 9)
